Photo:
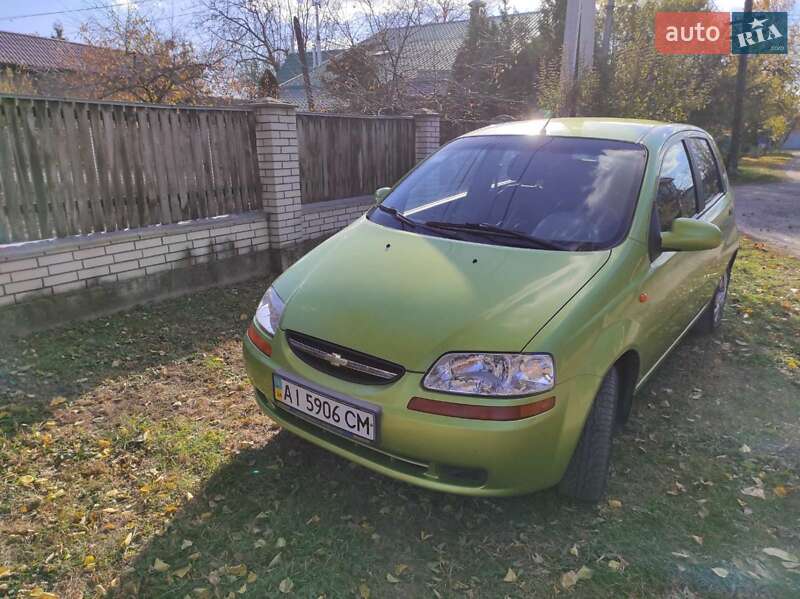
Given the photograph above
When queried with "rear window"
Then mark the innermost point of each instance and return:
(707, 169)
(578, 192)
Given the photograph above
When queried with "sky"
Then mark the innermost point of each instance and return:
(73, 12)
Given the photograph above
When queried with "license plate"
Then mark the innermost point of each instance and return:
(333, 413)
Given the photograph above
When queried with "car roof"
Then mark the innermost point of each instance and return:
(630, 130)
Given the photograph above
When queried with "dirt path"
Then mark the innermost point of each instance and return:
(770, 212)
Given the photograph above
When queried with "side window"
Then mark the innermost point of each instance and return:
(676, 196)
(707, 170)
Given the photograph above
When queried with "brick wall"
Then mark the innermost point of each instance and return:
(427, 134)
(46, 268)
(325, 218)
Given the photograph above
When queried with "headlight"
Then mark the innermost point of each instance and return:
(491, 374)
(269, 311)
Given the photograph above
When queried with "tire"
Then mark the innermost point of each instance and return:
(586, 478)
(711, 319)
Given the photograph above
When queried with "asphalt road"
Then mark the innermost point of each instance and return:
(770, 212)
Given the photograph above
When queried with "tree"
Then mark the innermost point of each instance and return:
(373, 76)
(132, 59)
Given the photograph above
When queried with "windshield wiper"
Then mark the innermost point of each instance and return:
(486, 228)
(399, 216)
(415, 224)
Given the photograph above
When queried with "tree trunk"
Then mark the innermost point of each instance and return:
(301, 52)
(738, 106)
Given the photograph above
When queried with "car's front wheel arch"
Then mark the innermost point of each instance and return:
(627, 366)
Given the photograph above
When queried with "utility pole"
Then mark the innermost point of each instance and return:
(738, 106)
(578, 49)
(317, 44)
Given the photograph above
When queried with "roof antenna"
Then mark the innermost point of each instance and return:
(548, 114)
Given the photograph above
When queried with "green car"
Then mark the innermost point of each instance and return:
(483, 329)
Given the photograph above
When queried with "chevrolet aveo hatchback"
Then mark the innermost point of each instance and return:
(483, 328)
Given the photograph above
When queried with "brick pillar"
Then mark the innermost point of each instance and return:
(279, 170)
(426, 134)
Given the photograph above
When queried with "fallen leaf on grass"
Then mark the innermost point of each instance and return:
(252, 577)
(571, 578)
(391, 578)
(721, 572)
(574, 550)
(286, 585)
(754, 492)
(38, 593)
(160, 566)
(614, 504)
(697, 539)
(280, 543)
(400, 568)
(363, 591)
(5, 572)
(260, 543)
(781, 491)
(26, 480)
(186, 543)
(510, 576)
(89, 562)
(181, 572)
(614, 565)
(238, 570)
(780, 554)
(275, 561)
(745, 448)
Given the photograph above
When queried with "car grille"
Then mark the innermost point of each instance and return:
(341, 362)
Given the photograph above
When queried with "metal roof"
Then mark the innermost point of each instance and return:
(40, 53)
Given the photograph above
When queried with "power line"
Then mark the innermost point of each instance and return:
(72, 10)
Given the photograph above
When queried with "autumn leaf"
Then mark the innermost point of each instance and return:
(181, 572)
(5, 572)
(721, 572)
(89, 562)
(510, 576)
(280, 543)
(400, 568)
(26, 480)
(697, 539)
(614, 504)
(754, 492)
(780, 554)
(569, 579)
(780, 491)
(238, 570)
(391, 578)
(185, 544)
(286, 585)
(160, 566)
(252, 577)
(584, 573)
(614, 565)
(39, 593)
(363, 591)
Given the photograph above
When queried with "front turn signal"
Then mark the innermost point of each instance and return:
(260, 342)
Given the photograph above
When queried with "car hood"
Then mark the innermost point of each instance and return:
(409, 298)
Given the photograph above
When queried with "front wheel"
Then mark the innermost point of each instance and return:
(586, 478)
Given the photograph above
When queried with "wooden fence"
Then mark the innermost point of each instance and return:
(450, 129)
(73, 167)
(344, 156)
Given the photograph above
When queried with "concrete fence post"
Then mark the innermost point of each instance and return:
(279, 170)
(426, 134)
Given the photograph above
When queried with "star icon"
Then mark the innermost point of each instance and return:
(756, 23)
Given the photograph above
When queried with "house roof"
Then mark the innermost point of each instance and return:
(292, 67)
(429, 52)
(40, 53)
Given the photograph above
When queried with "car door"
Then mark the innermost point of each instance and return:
(670, 278)
(714, 205)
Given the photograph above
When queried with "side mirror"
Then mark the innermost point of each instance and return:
(688, 235)
(381, 193)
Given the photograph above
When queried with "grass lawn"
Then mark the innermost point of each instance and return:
(768, 168)
(136, 464)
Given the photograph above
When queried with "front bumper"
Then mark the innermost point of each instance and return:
(455, 455)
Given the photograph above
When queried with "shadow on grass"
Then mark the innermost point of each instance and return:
(62, 364)
(333, 525)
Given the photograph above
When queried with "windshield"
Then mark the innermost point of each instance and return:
(564, 192)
